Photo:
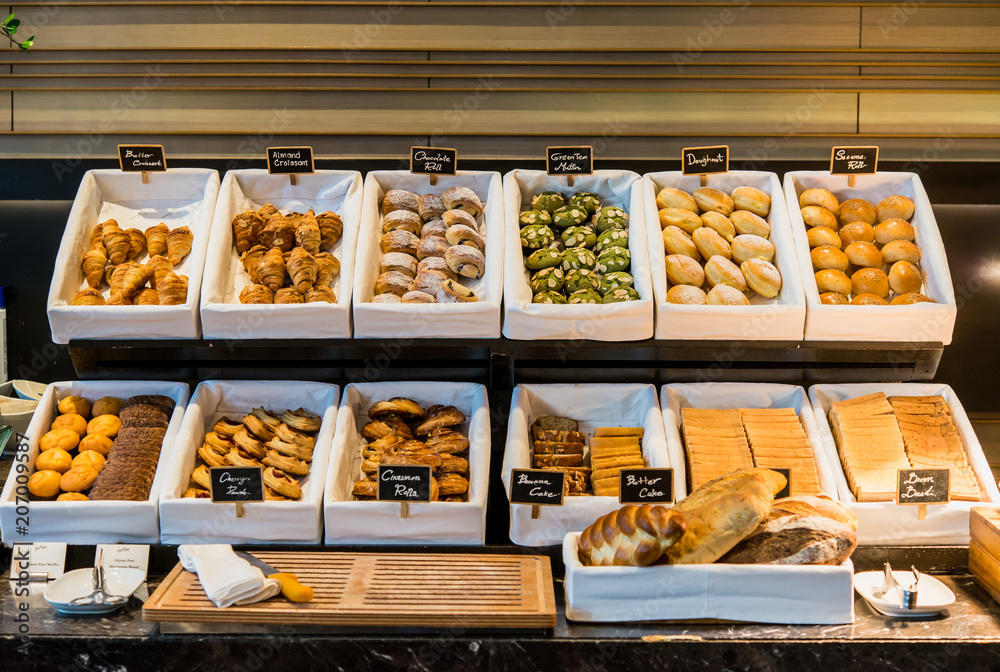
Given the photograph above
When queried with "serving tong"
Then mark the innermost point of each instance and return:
(907, 596)
(100, 595)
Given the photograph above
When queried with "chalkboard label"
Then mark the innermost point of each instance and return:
(923, 486)
(646, 486)
(569, 160)
(853, 160)
(537, 486)
(404, 483)
(433, 161)
(705, 160)
(787, 490)
(237, 484)
(142, 158)
(290, 160)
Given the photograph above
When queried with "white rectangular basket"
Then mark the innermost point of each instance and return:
(479, 319)
(222, 314)
(349, 521)
(625, 321)
(779, 319)
(594, 406)
(887, 522)
(200, 521)
(91, 522)
(178, 197)
(919, 322)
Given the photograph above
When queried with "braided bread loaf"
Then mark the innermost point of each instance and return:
(633, 536)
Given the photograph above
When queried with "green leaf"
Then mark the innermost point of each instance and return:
(27, 44)
(14, 24)
(7, 20)
(10, 29)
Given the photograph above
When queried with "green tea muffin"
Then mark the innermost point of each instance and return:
(586, 200)
(611, 238)
(543, 258)
(569, 215)
(548, 297)
(610, 218)
(585, 296)
(547, 280)
(615, 280)
(579, 236)
(612, 259)
(550, 201)
(536, 236)
(621, 294)
(579, 257)
(582, 278)
(529, 217)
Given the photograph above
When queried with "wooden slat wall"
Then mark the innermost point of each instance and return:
(499, 78)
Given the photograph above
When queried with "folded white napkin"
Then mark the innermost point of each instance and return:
(227, 578)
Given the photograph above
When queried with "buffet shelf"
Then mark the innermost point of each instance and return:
(502, 363)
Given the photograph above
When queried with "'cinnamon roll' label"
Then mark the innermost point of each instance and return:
(404, 483)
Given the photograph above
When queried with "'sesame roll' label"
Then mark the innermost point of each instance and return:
(854, 160)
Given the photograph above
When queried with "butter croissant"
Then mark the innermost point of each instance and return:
(172, 289)
(271, 270)
(179, 244)
(246, 228)
(288, 295)
(331, 227)
(96, 233)
(116, 242)
(635, 536)
(307, 233)
(319, 293)
(137, 243)
(94, 262)
(251, 258)
(302, 269)
(134, 279)
(160, 267)
(146, 297)
(156, 239)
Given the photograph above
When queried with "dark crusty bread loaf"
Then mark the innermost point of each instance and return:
(554, 422)
(796, 540)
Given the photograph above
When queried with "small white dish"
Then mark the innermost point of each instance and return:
(80, 583)
(28, 389)
(932, 595)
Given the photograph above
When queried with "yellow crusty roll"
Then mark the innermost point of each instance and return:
(894, 207)
(857, 232)
(44, 483)
(106, 425)
(828, 256)
(833, 299)
(73, 421)
(832, 280)
(66, 439)
(905, 277)
(722, 513)
(56, 459)
(74, 404)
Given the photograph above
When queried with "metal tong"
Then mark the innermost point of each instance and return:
(100, 595)
(907, 596)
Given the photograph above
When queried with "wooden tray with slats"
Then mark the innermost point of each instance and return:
(382, 589)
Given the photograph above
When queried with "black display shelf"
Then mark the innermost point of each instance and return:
(502, 363)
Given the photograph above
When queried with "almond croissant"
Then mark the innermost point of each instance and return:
(172, 289)
(251, 258)
(331, 227)
(179, 244)
(246, 228)
(256, 294)
(271, 270)
(267, 212)
(302, 268)
(635, 536)
(88, 296)
(279, 233)
(288, 295)
(328, 269)
(307, 233)
(116, 242)
(94, 262)
(156, 239)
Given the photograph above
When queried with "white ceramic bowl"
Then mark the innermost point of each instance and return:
(28, 389)
(80, 583)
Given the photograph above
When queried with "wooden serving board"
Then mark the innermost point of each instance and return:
(382, 589)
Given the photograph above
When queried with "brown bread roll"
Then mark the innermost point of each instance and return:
(894, 229)
(820, 197)
(905, 278)
(868, 299)
(856, 210)
(870, 281)
(796, 540)
(863, 254)
(832, 280)
(901, 250)
(857, 232)
(894, 207)
(833, 299)
(911, 298)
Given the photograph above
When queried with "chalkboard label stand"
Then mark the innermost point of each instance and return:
(304, 154)
(935, 483)
(569, 161)
(712, 159)
(155, 153)
(433, 161)
(537, 488)
(404, 484)
(248, 479)
(853, 161)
